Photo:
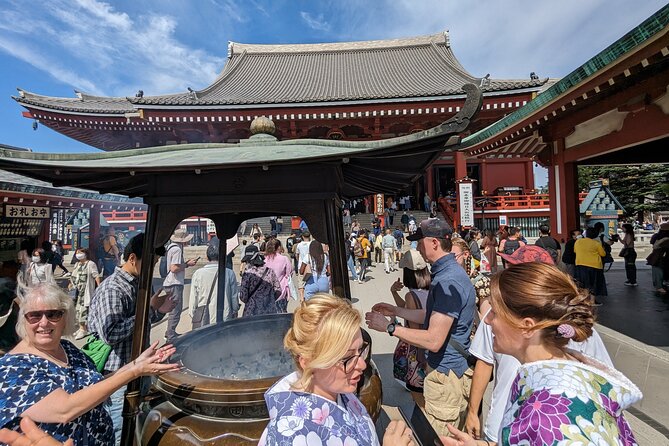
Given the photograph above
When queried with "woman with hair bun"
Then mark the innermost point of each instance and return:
(560, 396)
(316, 404)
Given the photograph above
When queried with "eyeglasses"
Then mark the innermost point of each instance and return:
(34, 317)
(349, 362)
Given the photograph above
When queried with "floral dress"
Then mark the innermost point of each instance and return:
(299, 418)
(259, 291)
(562, 402)
(25, 379)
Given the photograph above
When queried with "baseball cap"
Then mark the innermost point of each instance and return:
(412, 260)
(528, 253)
(431, 227)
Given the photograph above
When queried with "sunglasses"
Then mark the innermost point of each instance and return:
(34, 317)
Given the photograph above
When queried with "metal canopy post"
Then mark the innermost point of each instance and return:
(142, 331)
(222, 273)
(335, 236)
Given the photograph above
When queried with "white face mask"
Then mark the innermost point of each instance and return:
(54, 248)
(80, 256)
(36, 259)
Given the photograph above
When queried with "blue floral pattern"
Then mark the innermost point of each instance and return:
(25, 379)
(306, 419)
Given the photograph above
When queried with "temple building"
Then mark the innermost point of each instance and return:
(366, 90)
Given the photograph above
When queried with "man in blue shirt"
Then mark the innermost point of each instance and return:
(447, 323)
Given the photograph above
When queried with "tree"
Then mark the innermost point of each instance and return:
(643, 188)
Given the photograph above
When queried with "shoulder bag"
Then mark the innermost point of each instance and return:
(409, 361)
(199, 312)
(98, 350)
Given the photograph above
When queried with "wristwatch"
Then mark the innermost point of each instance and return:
(391, 328)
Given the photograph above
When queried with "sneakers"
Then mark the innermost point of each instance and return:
(67, 275)
(631, 284)
(359, 280)
(661, 291)
(80, 334)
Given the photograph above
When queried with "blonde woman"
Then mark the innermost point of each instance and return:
(316, 404)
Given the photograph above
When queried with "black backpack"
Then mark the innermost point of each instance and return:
(552, 251)
(162, 268)
(511, 246)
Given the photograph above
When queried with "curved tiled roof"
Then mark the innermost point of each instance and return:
(418, 67)
(83, 103)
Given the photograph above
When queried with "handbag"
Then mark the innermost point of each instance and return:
(292, 289)
(199, 312)
(623, 252)
(409, 362)
(98, 350)
(655, 257)
(307, 272)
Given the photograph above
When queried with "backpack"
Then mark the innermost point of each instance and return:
(357, 248)
(511, 246)
(552, 251)
(162, 268)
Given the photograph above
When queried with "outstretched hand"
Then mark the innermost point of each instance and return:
(152, 360)
(32, 436)
(385, 309)
(457, 438)
(376, 321)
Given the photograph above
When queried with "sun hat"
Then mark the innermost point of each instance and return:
(528, 253)
(181, 236)
(412, 260)
(432, 227)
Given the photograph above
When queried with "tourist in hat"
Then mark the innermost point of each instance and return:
(558, 395)
(259, 288)
(447, 318)
(408, 361)
(176, 276)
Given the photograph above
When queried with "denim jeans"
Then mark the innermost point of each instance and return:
(116, 413)
(351, 267)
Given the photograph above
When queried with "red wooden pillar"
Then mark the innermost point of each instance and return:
(563, 193)
(483, 185)
(429, 183)
(529, 176)
(460, 165)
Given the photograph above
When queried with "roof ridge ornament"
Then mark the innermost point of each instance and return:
(447, 38)
(231, 49)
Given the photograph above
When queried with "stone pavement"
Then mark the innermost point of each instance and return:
(634, 327)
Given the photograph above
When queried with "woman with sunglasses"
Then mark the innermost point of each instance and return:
(49, 380)
(316, 404)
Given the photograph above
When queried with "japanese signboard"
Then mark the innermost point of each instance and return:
(466, 204)
(378, 204)
(21, 211)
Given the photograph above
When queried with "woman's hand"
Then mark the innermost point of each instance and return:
(397, 286)
(398, 433)
(152, 360)
(457, 438)
(376, 321)
(385, 309)
(32, 436)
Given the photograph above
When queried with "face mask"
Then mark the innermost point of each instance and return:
(80, 256)
(579, 236)
(53, 248)
(36, 259)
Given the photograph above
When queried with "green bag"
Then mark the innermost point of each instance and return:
(98, 350)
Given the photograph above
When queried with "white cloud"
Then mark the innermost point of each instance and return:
(97, 49)
(317, 23)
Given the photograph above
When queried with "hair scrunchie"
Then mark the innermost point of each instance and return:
(566, 331)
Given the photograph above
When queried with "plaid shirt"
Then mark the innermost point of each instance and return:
(112, 316)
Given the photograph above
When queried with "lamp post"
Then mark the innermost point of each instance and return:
(483, 202)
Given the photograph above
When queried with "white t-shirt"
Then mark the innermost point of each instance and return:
(506, 369)
(303, 249)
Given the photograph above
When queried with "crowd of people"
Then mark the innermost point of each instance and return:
(528, 321)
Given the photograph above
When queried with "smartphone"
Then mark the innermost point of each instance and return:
(422, 429)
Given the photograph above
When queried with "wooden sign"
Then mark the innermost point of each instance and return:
(21, 211)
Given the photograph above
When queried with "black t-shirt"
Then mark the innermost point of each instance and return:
(549, 244)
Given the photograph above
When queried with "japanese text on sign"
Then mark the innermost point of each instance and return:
(20, 211)
(466, 204)
(378, 204)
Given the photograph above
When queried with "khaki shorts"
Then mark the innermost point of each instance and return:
(446, 399)
(299, 282)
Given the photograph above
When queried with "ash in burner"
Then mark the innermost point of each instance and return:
(252, 366)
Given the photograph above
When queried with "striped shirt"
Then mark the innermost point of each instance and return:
(112, 316)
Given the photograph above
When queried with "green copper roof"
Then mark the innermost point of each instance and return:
(651, 26)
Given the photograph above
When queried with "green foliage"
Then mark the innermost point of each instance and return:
(638, 188)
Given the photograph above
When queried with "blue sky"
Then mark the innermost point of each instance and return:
(164, 46)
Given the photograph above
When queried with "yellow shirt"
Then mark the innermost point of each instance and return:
(589, 252)
(364, 243)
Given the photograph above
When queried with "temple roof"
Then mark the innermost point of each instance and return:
(420, 67)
